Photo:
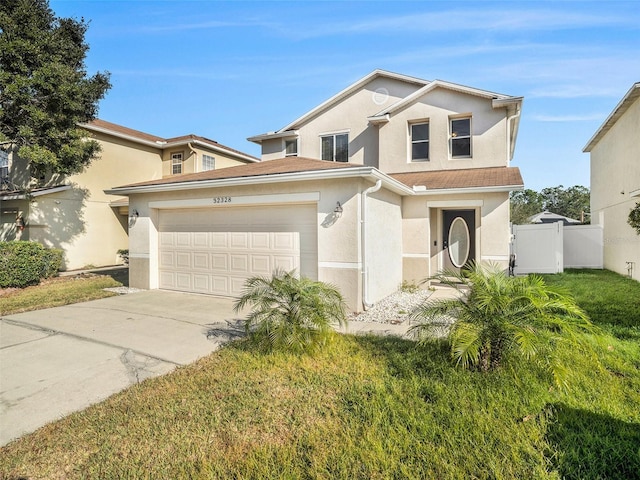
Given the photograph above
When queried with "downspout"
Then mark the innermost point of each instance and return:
(509, 149)
(363, 234)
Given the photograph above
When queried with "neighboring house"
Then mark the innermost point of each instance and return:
(615, 183)
(392, 179)
(74, 213)
(550, 217)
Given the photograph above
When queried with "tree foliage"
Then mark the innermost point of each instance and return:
(495, 317)
(572, 202)
(44, 88)
(289, 313)
(634, 218)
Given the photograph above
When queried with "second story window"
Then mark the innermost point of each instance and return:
(176, 163)
(208, 163)
(291, 148)
(460, 137)
(419, 142)
(4, 165)
(335, 148)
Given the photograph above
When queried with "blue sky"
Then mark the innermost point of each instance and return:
(229, 70)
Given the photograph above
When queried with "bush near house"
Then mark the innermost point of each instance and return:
(26, 263)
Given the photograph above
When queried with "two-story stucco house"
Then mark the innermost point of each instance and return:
(391, 179)
(615, 183)
(75, 214)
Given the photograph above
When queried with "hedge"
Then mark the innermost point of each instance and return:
(26, 263)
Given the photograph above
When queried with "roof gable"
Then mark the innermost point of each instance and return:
(632, 95)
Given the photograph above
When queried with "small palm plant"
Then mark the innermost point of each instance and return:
(495, 316)
(290, 313)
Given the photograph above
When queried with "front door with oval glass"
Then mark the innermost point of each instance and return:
(459, 239)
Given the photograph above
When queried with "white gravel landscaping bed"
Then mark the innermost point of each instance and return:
(394, 309)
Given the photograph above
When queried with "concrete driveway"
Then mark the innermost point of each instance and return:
(60, 360)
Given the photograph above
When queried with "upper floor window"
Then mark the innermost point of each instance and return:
(335, 148)
(4, 165)
(419, 142)
(208, 163)
(291, 148)
(460, 137)
(176, 163)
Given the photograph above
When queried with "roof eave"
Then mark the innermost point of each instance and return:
(451, 191)
(364, 172)
(271, 135)
(618, 111)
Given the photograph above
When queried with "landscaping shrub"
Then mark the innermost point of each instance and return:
(291, 314)
(26, 263)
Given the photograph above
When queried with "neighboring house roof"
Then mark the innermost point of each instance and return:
(494, 178)
(36, 192)
(301, 168)
(632, 95)
(550, 217)
(130, 134)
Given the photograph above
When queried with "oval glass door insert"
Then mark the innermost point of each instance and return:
(459, 242)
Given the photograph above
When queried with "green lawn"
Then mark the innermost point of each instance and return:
(367, 407)
(57, 291)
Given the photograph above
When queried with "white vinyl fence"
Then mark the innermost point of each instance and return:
(552, 247)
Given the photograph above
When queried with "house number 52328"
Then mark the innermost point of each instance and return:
(221, 200)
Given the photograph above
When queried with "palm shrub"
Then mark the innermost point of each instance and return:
(289, 313)
(495, 317)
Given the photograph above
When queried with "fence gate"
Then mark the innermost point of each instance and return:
(552, 247)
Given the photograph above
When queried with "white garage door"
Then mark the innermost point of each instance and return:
(215, 250)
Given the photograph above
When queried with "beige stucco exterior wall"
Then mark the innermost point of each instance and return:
(383, 243)
(488, 126)
(80, 220)
(615, 173)
(349, 115)
(192, 159)
(338, 242)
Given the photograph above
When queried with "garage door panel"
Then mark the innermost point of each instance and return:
(183, 260)
(201, 239)
(201, 283)
(260, 240)
(167, 259)
(261, 264)
(215, 250)
(201, 260)
(183, 281)
(239, 264)
(288, 263)
(220, 262)
(183, 239)
(218, 240)
(220, 285)
(167, 239)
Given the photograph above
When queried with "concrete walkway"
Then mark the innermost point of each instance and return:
(60, 360)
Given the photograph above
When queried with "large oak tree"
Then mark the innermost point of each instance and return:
(45, 91)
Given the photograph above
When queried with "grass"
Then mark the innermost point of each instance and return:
(55, 292)
(367, 407)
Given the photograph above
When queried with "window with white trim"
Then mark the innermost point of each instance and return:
(176, 163)
(4, 165)
(291, 148)
(420, 142)
(460, 137)
(208, 163)
(335, 148)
